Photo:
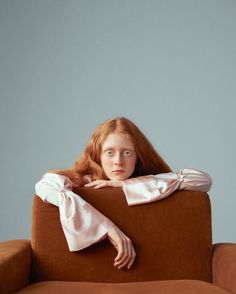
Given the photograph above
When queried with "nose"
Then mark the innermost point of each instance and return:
(118, 159)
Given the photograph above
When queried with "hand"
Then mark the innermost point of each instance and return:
(104, 183)
(123, 245)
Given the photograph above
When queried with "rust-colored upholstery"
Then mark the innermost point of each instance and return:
(151, 287)
(172, 239)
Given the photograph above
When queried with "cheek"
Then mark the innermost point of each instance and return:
(105, 162)
(132, 163)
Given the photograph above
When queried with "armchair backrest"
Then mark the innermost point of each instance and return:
(172, 239)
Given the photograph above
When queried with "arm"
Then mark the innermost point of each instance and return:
(82, 224)
(152, 188)
(15, 263)
(224, 266)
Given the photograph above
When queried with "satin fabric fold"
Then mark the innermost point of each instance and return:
(146, 189)
(82, 224)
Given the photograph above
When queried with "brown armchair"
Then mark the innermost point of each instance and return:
(172, 239)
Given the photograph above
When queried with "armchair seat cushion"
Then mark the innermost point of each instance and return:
(151, 287)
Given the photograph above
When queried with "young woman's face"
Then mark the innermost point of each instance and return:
(118, 156)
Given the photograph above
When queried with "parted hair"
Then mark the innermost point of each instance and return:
(148, 160)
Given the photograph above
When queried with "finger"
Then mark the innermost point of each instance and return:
(127, 255)
(123, 262)
(121, 255)
(132, 259)
(91, 184)
(104, 184)
(120, 249)
(130, 247)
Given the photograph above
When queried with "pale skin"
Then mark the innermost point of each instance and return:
(118, 159)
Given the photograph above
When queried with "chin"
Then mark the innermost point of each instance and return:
(118, 178)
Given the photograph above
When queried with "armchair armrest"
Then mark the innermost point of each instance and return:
(15, 265)
(224, 266)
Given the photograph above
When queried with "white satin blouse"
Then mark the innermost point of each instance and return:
(83, 225)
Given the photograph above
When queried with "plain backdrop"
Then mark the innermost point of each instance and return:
(66, 66)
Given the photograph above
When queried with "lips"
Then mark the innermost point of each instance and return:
(118, 171)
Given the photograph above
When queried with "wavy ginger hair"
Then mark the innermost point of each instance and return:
(148, 160)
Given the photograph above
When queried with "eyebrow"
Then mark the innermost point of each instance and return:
(112, 148)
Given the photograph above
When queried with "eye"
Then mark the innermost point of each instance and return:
(127, 153)
(109, 153)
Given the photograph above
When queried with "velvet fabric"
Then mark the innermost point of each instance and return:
(15, 263)
(172, 239)
(83, 225)
(153, 287)
(224, 266)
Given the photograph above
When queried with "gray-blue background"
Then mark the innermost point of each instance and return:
(66, 66)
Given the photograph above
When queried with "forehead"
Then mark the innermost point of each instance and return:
(118, 140)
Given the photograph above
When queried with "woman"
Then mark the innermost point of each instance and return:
(117, 155)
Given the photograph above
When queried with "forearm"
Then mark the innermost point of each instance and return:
(15, 264)
(146, 189)
(194, 180)
(82, 224)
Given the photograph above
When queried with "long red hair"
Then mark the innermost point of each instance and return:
(148, 160)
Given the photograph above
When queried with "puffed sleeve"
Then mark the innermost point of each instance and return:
(82, 224)
(146, 189)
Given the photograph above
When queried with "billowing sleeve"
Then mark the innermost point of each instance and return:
(82, 224)
(146, 189)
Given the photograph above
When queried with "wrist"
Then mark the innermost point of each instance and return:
(111, 227)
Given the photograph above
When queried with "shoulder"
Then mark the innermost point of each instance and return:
(53, 178)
